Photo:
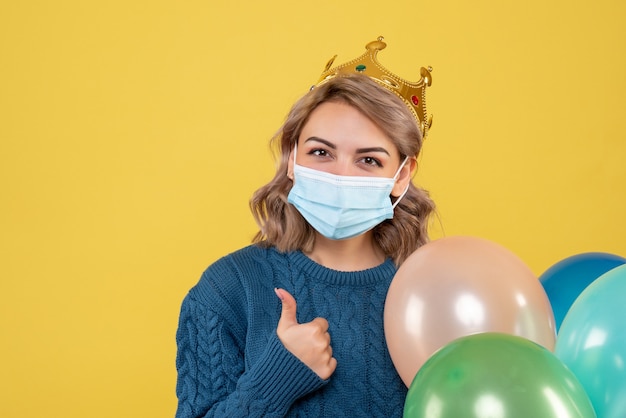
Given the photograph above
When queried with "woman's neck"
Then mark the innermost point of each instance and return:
(354, 254)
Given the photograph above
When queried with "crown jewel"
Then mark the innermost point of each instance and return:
(413, 94)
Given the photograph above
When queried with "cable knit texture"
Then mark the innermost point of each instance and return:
(231, 363)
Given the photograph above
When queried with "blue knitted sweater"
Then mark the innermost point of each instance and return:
(231, 363)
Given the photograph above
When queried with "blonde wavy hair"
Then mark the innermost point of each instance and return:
(280, 223)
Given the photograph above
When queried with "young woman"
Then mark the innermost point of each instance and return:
(293, 324)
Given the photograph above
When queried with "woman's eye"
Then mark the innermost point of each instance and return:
(319, 152)
(372, 161)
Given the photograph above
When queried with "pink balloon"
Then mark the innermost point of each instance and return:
(458, 286)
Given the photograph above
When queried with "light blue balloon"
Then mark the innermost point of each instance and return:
(592, 342)
(565, 280)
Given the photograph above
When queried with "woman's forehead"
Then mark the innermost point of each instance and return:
(342, 124)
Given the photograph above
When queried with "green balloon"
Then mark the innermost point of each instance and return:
(495, 375)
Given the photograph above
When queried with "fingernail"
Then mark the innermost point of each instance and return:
(278, 293)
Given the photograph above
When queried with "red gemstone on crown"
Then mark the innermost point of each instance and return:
(415, 100)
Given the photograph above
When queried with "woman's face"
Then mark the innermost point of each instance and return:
(339, 139)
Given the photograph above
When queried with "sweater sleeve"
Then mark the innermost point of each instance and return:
(212, 376)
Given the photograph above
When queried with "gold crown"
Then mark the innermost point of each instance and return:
(412, 94)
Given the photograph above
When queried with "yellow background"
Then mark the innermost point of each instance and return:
(132, 134)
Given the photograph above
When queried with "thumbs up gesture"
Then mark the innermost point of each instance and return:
(309, 342)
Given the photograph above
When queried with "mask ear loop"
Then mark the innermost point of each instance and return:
(295, 151)
(395, 177)
(393, 206)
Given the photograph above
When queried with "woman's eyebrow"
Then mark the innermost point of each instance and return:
(323, 141)
(359, 150)
(372, 149)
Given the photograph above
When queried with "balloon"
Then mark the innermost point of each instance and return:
(592, 342)
(565, 280)
(495, 375)
(458, 286)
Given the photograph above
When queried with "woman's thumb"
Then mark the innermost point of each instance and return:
(288, 314)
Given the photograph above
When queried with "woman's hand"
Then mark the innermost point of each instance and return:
(309, 342)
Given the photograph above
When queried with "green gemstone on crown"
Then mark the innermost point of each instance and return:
(360, 68)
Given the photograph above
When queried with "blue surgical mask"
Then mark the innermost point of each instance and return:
(341, 207)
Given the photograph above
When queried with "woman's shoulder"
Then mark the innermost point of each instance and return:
(250, 253)
(234, 273)
(246, 260)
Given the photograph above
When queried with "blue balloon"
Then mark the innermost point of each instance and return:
(592, 342)
(565, 281)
